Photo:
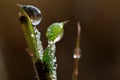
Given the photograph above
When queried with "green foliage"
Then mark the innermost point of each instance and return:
(50, 60)
(54, 31)
(32, 35)
(29, 33)
(54, 34)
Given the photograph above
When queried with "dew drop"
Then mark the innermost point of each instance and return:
(50, 42)
(33, 12)
(54, 60)
(39, 43)
(76, 56)
(53, 47)
(32, 35)
(58, 37)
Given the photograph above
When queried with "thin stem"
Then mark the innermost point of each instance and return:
(36, 72)
(76, 54)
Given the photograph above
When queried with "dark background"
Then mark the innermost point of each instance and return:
(100, 41)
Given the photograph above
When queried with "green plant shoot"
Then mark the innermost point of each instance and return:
(30, 16)
(29, 33)
(54, 34)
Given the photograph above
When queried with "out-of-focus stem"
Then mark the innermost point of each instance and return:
(76, 54)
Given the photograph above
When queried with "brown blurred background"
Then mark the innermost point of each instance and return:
(100, 42)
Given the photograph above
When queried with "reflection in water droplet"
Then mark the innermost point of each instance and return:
(58, 37)
(34, 13)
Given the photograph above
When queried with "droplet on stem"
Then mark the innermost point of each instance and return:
(32, 35)
(33, 12)
(77, 54)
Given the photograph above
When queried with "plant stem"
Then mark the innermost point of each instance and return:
(76, 55)
(50, 60)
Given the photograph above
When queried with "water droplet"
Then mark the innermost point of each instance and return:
(53, 48)
(39, 43)
(33, 12)
(76, 56)
(32, 35)
(54, 60)
(50, 42)
(58, 37)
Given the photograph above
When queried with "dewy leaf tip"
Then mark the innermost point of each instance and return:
(19, 5)
(64, 22)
